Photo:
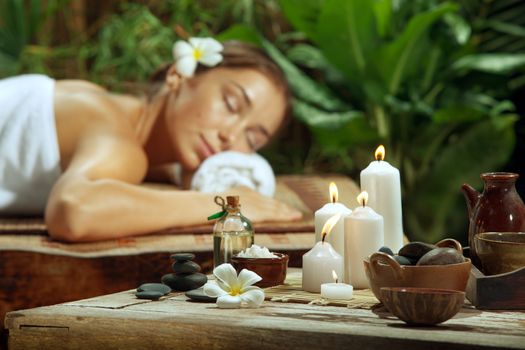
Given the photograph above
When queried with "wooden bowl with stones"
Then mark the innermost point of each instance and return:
(422, 306)
(439, 266)
(271, 270)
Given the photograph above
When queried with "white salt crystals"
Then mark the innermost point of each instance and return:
(256, 251)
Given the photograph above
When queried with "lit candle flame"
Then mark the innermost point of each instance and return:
(362, 198)
(334, 275)
(329, 224)
(334, 193)
(380, 152)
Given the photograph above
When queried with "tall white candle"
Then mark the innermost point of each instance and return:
(381, 180)
(321, 260)
(364, 235)
(337, 235)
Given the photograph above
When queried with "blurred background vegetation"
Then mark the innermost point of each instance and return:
(440, 83)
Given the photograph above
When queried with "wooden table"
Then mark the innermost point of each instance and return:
(120, 321)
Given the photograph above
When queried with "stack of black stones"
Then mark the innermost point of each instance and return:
(186, 276)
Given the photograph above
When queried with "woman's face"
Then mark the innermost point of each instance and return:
(223, 109)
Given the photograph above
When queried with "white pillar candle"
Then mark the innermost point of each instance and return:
(321, 260)
(336, 290)
(363, 236)
(337, 235)
(381, 180)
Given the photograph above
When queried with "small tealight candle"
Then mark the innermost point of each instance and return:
(319, 262)
(336, 290)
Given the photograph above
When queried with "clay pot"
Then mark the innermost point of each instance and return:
(422, 306)
(500, 252)
(498, 209)
(272, 270)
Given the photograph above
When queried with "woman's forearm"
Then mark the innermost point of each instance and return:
(105, 209)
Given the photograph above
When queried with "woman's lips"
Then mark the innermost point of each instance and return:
(205, 149)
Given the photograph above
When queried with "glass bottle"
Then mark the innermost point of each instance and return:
(232, 233)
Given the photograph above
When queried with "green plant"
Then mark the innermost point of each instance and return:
(410, 75)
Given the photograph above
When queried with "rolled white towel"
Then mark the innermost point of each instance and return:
(225, 170)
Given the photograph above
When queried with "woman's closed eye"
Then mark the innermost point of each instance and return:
(256, 138)
(231, 103)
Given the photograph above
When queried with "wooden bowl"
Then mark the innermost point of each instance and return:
(500, 252)
(422, 306)
(272, 270)
(382, 270)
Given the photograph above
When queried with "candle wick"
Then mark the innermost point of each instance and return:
(363, 202)
(324, 236)
(336, 280)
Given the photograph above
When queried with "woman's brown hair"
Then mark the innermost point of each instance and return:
(237, 54)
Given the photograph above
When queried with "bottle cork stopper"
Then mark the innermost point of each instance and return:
(233, 201)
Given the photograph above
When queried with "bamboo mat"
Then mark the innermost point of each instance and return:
(291, 292)
(306, 193)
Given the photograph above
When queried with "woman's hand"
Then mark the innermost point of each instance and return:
(257, 207)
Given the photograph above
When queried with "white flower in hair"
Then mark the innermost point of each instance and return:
(197, 50)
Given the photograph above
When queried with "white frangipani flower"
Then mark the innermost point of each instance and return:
(231, 290)
(198, 50)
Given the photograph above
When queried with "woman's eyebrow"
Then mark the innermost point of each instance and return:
(243, 91)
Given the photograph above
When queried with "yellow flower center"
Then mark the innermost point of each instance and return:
(197, 54)
(235, 290)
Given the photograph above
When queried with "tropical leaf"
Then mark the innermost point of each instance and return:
(486, 146)
(498, 63)
(383, 15)
(303, 14)
(304, 87)
(241, 33)
(347, 35)
(397, 56)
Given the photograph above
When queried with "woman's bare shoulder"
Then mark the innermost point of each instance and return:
(77, 85)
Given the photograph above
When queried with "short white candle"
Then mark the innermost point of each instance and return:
(381, 180)
(337, 235)
(363, 236)
(321, 260)
(336, 290)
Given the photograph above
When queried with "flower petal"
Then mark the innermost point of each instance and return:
(254, 298)
(186, 66)
(208, 45)
(213, 290)
(247, 278)
(211, 59)
(181, 49)
(229, 302)
(226, 274)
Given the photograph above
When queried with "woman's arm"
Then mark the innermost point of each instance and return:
(99, 197)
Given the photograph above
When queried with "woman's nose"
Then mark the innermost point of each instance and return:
(228, 135)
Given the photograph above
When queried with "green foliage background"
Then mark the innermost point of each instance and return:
(429, 79)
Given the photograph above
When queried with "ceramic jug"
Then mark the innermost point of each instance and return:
(498, 209)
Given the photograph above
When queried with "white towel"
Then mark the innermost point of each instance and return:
(29, 154)
(225, 170)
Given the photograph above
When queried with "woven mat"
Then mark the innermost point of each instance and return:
(306, 193)
(291, 292)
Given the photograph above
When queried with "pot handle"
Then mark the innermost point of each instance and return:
(380, 257)
(450, 243)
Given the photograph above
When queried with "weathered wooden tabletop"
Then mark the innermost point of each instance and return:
(120, 321)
